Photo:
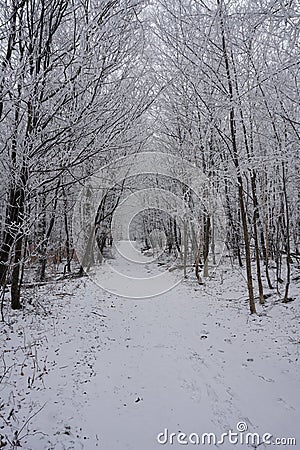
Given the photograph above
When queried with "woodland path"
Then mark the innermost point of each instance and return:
(120, 371)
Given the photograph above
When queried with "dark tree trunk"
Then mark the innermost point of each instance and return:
(287, 237)
(232, 123)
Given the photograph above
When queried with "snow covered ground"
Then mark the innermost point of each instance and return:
(91, 370)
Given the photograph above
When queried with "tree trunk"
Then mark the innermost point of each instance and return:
(185, 247)
(232, 122)
(15, 280)
(287, 236)
(206, 245)
(198, 257)
(256, 243)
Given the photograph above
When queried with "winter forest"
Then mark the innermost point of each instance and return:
(149, 206)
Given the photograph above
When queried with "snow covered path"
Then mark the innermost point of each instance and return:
(112, 373)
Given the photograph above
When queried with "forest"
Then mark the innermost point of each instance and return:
(172, 125)
(215, 84)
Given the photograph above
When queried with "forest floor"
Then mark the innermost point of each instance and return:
(84, 369)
